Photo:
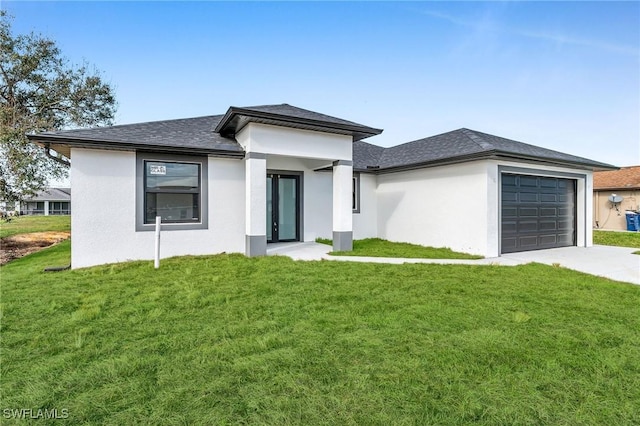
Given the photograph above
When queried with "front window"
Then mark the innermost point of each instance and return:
(172, 191)
(59, 207)
(173, 187)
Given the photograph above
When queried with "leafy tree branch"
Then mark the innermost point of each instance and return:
(41, 91)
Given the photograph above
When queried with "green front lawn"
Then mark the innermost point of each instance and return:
(28, 224)
(233, 340)
(376, 247)
(619, 239)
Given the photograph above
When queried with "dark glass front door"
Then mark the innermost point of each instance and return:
(283, 208)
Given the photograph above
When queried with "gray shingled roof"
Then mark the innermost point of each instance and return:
(290, 116)
(199, 135)
(191, 133)
(366, 155)
(461, 144)
(52, 194)
(292, 111)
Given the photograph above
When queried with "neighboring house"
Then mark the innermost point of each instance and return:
(275, 173)
(624, 183)
(51, 201)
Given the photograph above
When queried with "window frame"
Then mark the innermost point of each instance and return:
(141, 191)
(355, 197)
(59, 208)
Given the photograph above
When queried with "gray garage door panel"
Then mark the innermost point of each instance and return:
(537, 212)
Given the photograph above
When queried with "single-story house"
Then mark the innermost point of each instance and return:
(274, 173)
(51, 201)
(623, 183)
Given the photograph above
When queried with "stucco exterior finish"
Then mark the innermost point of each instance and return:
(255, 205)
(458, 206)
(103, 223)
(297, 143)
(365, 223)
(605, 214)
(105, 186)
(439, 207)
(453, 205)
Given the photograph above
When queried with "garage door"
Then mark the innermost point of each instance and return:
(537, 212)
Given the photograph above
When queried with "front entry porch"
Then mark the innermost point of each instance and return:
(297, 200)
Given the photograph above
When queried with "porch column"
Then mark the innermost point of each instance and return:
(46, 208)
(256, 204)
(342, 205)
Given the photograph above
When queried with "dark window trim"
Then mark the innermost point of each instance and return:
(197, 191)
(141, 158)
(355, 182)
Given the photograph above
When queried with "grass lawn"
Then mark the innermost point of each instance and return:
(27, 224)
(620, 239)
(376, 247)
(233, 340)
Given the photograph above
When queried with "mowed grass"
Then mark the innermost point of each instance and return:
(28, 224)
(376, 247)
(619, 239)
(233, 340)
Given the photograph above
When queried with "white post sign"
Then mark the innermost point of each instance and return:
(156, 263)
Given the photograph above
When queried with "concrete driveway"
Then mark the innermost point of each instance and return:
(616, 263)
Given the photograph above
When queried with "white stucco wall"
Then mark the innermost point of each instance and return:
(103, 219)
(365, 223)
(441, 207)
(458, 206)
(297, 143)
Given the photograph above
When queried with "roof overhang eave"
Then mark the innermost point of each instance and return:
(587, 165)
(48, 140)
(494, 155)
(618, 188)
(225, 126)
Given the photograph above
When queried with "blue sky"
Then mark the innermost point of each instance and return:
(563, 75)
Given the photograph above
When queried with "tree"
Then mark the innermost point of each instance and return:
(42, 92)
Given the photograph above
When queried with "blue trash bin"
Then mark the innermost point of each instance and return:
(633, 221)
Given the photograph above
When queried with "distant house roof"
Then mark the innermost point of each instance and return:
(52, 194)
(456, 146)
(625, 178)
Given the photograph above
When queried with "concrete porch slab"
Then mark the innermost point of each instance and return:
(299, 250)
